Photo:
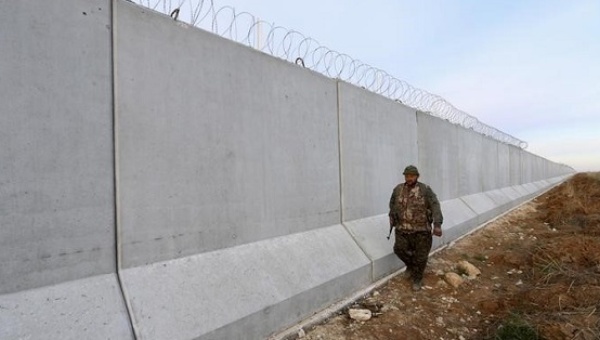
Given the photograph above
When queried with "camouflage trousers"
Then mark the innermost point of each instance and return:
(413, 249)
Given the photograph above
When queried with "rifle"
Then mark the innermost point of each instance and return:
(391, 225)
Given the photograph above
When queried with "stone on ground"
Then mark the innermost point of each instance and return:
(469, 269)
(453, 279)
(360, 314)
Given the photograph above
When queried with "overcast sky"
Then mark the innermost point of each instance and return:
(529, 68)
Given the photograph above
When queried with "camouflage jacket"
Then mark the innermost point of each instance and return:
(414, 209)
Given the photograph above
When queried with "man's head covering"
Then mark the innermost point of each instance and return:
(411, 170)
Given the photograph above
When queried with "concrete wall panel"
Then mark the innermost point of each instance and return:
(539, 168)
(56, 168)
(551, 169)
(469, 159)
(490, 164)
(90, 308)
(526, 167)
(514, 155)
(274, 283)
(370, 233)
(459, 218)
(378, 139)
(216, 147)
(483, 205)
(57, 206)
(438, 152)
(504, 170)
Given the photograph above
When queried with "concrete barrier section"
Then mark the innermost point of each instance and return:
(489, 164)
(57, 230)
(248, 291)
(377, 140)
(247, 192)
(371, 235)
(90, 308)
(483, 205)
(504, 170)
(459, 218)
(514, 157)
(469, 159)
(229, 194)
(527, 175)
(221, 152)
(438, 152)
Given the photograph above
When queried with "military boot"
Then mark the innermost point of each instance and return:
(408, 272)
(417, 284)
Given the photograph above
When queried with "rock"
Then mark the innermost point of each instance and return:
(514, 271)
(375, 293)
(449, 299)
(372, 304)
(453, 279)
(387, 308)
(453, 331)
(360, 314)
(301, 333)
(441, 283)
(469, 269)
(439, 321)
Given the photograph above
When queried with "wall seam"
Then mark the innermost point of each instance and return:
(339, 126)
(339, 140)
(118, 250)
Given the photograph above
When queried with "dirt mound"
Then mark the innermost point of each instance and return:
(575, 203)
(570, 252)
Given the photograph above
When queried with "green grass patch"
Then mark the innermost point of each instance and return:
(515, 327)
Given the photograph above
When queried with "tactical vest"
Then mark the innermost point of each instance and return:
(412, 205)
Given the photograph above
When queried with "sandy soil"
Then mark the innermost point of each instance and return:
(540, 279)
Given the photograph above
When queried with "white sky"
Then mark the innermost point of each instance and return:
(528, 67)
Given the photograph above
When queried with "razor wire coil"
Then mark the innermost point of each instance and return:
(293, 46)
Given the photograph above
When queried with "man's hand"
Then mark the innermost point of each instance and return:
(437, 229)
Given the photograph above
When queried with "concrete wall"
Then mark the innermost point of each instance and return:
(504, 166)
(239, 179)
(515, 172)
(379, 138)
(438, 155)
(248, 155)
(250, 192)
(470, 174)
(57, 229)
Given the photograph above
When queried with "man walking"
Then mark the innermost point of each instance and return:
(413, 208)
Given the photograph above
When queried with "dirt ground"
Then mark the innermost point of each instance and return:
(540, 279)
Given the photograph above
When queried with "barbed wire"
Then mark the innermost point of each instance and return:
(295, 47)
